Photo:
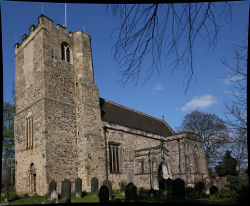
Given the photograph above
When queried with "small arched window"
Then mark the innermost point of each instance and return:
(65, 51)
(29, 130)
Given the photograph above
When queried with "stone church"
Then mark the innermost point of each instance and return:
(63, 129)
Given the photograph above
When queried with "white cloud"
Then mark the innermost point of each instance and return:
(158, 87)
(199, 102)
(230, 79)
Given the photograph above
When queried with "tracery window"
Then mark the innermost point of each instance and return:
(114, 157)
(65, 51)
(29, 130)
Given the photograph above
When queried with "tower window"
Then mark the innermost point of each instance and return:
(29, 130)
(65, 51)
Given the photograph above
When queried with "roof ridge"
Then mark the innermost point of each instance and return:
(133, 110)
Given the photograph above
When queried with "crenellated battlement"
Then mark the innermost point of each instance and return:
(43, 22)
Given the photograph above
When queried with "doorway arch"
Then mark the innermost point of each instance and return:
(32, 179)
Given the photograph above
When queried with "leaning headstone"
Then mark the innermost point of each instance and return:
(54, 197)
(199, 189)
(213, 192)
(179, 190)
(78, 187)
(6, 189)
(66, 191)
(94, 186)
(104, 194)
(109, 185)
(207, 181)
(52, 187)
(130, 193)
(129, 178)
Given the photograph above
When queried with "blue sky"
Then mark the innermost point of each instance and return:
(160, 95)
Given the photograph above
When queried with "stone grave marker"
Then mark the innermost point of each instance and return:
(179, 190)
(66, 191)
(199, 189)
(52, 187)
(109, 185)
(213, 192)
(54, 197)
(169, 184)
(78, 187)
(94, 186)
(130, 193)
(129, 175)
(162, 185)
(104, 194)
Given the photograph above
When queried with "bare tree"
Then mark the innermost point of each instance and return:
(211, 129)
(153, 31)
(236, 112)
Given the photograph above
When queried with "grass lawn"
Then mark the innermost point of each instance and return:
(15, 200)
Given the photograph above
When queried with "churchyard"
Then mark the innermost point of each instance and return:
(231, 190)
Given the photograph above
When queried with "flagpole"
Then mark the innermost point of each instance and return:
(65, 16)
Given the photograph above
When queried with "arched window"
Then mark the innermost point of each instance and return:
(65, 51)
(29, 130)
(196, 156)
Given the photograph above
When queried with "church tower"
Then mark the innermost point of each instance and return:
(58, 127)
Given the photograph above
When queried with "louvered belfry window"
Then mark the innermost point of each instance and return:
(65, 51)
(114, 157)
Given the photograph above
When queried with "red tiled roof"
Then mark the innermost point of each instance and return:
(120, 115)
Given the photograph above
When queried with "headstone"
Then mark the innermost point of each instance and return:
(213, 191)
(54, 197)
(66, 191)
(109, 185)
(78, 187)
(130, 193)
(169, 185)
(199, 189)
(129, 178)
(208, 183)
(163, 195)
(179, 190)
(52, 187)
(162, 185)
(94, 186)
(104, 194)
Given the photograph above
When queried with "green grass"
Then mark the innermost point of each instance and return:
(16, 200)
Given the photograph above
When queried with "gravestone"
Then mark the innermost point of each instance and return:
(94, 186)
(109, 185)
(213, 192)
(66, 191)
(129, 178)
(52, 187)
(179, 190)
(78, 187)
(199, 189)
(130, 193)
(207, 182)
(104, 194)
(169, 185)
(54, 197)
(162, 185)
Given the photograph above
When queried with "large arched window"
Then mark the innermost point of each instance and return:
(65, 51)
(29, 130)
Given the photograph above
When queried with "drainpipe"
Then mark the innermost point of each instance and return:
(106, 153)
